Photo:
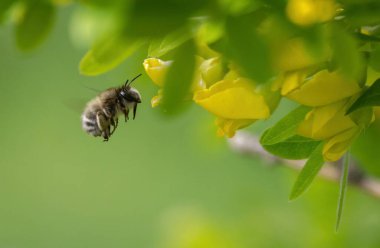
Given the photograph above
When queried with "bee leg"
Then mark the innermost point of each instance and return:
(104, 125)
(126, 113)
(106, 134)
(134, 110)
(114, 123)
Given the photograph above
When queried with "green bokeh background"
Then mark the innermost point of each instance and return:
(159, 182)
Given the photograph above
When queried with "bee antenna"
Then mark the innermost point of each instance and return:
(133, 79)
(90, 88)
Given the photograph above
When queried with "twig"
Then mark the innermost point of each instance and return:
(248, 144)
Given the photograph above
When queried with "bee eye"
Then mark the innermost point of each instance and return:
(129, 98)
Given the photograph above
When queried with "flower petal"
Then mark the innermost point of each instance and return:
(292, 81)
(324, 88)
(326, 121)
(156, 70)
(211, 71)
(156, 100)
(293, 54)
(338, 145)
(228, 127)
(233, 100)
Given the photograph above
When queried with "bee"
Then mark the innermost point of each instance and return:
(100, 116)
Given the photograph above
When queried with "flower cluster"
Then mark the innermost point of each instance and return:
(330, 94)
(237, 101)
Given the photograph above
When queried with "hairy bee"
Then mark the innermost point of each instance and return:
(101, 113)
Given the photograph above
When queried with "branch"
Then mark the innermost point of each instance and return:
(248, 144)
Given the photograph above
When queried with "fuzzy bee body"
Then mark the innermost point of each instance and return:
(100, 116)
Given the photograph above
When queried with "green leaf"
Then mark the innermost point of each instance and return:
(107, 54)
(296, 147)
(285, 128)
(308, 173)
(247, 49)
(374, 59)
(366, 149)
(362, 117)
(5, 5)
(35, 24)
(342, 189)
(160, 47)
(346, 54)
(371, 97)
(367, 38)
(363, 13)
(179, 78)
(152, 18)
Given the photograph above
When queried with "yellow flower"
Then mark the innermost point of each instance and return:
(156, 70)
(308, 12)
(322, 88)
(326, 121)
(335, 147)
(293, 54)
(233, 100)
(211, 71)
(157, 99)
(331, 124)
(292, 81)
(228, 127)
(205, 51)
(236, 103)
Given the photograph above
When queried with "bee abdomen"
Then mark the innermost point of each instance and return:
(90, 126)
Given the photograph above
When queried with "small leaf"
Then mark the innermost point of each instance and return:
(308, 173)
(342, 189)
(247, 48)
(285, 128)
(35, 24)
(107, 54)
(371, 97)
(296, 147)
(171, 41)
(179, 78)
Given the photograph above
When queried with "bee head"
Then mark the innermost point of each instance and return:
(130, 94)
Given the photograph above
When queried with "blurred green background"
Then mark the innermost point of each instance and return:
(159, 182)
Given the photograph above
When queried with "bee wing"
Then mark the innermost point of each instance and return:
(75, 104)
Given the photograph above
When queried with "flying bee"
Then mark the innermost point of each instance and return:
(101, 113)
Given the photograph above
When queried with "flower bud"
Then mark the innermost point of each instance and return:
(156, 70)
(211, 71)
(336, 146)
